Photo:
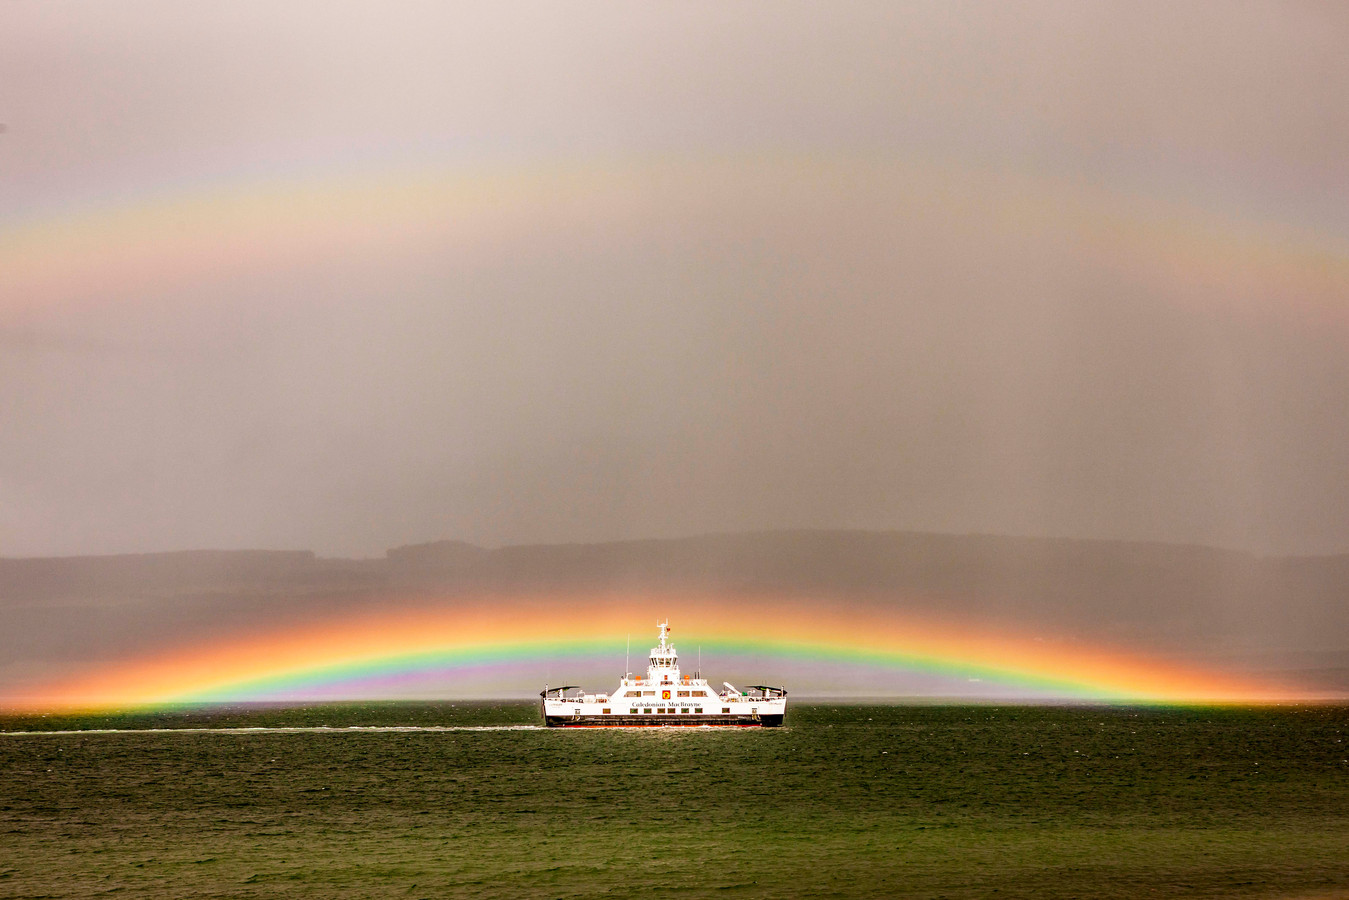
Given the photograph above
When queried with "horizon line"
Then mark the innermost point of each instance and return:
(322, 556)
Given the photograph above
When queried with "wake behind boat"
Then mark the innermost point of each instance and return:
(663, 697)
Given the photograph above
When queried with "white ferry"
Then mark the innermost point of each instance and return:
(663, 697)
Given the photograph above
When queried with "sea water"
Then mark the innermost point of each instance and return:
(477, 800)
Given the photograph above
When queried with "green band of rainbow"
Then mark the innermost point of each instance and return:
(361, 656)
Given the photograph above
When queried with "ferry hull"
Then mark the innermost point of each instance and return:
(659, 721)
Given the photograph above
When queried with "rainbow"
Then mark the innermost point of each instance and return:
(161, 244)
(368, 656)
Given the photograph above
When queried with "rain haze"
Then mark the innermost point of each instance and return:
(348, 278)
(343, 277)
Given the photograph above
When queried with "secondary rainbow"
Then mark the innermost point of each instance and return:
(167, 241)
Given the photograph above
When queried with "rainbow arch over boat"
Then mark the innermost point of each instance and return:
(377, 656)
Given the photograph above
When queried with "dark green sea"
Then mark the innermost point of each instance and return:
(846, 801)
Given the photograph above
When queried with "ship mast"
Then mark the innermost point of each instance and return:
(664, 667)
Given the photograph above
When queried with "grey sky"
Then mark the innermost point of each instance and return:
(1073, 269)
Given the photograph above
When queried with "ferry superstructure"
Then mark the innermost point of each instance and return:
(665, 697)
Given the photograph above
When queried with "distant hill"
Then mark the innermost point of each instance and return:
(1257, 613)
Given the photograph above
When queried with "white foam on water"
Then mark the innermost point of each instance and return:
(279, 729)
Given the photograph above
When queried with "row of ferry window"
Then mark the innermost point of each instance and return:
(677, 694)
(669, 709)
